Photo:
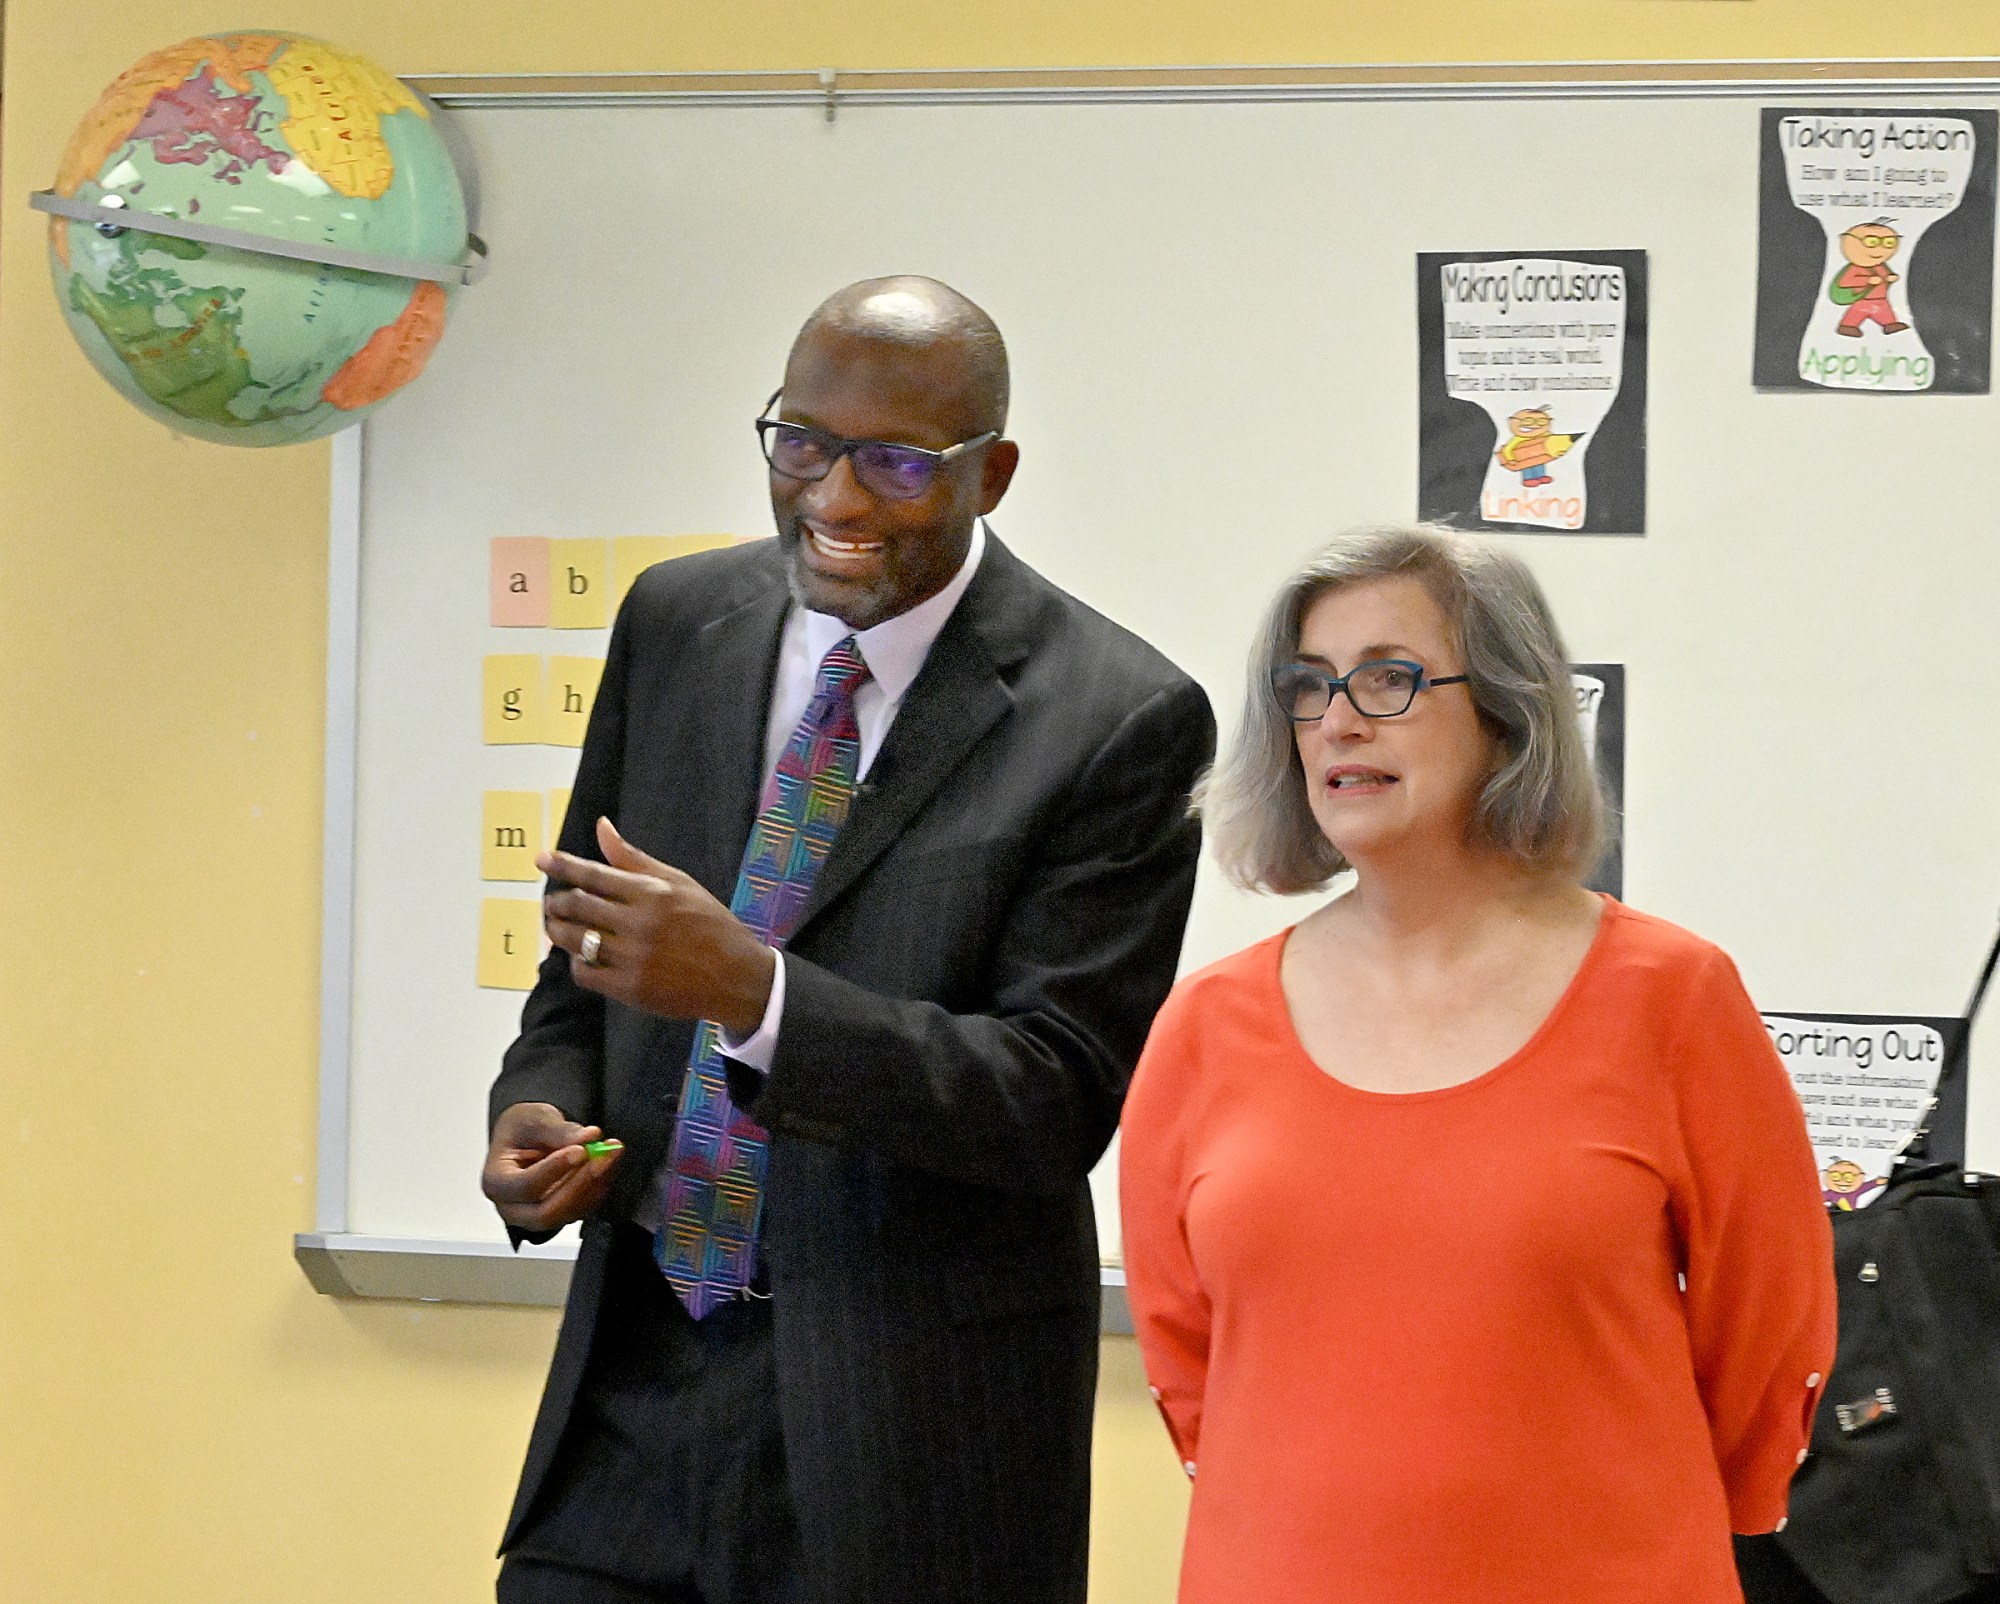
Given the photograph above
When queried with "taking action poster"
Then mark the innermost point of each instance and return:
(1875, 251)
(1532, 390)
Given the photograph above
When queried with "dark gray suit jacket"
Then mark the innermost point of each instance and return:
(966, 994)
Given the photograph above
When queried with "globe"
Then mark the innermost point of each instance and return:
(282, 137)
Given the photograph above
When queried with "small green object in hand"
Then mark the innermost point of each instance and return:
(610, 1144)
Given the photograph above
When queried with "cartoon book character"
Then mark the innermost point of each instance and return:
(1845, 1184)
(1531, 448)
(1862, 287)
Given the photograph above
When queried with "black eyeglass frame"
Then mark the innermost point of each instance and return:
(1336, 685)
(837, 446)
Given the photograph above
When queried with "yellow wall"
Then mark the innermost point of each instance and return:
(181, 1418)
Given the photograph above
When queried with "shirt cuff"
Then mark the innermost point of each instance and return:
(759, 1047)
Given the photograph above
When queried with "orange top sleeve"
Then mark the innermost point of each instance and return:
(1743, 1141)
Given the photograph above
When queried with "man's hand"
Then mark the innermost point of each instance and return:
(537, 1173)
(662, 943)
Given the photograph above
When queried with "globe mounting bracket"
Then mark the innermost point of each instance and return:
(112, 217)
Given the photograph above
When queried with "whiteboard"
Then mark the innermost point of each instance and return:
(1211, 313)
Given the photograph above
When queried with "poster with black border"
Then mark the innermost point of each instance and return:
(1866, 1081)
(1600, 708)
(1531, 390)
(1875, 251)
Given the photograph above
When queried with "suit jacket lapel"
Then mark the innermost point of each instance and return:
(700, 784)
(959, 695)
(738, 661)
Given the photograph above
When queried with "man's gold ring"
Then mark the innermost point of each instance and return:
(589, 948)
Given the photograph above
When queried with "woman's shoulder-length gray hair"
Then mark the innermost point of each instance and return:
(1542, 806)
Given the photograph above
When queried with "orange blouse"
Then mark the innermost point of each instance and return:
(1434, 1347)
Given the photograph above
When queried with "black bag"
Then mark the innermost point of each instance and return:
(1899, 1500)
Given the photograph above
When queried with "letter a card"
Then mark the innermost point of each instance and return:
(518, 582)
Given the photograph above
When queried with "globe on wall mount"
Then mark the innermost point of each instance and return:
(255, 236)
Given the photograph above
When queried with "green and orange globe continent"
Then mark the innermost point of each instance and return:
(282, 136)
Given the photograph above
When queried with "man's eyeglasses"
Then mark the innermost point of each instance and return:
(1382, 688)
(881, 467)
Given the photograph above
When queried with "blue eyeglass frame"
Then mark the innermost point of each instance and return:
(1336, 685)
(837, 446)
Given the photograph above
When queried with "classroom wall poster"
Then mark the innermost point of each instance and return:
(1875, 251)
(1866, 1082)
(1600, 708)
(1532, 390)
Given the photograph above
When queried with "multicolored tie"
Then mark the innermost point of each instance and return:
(707, 1242)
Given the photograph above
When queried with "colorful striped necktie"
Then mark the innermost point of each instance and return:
(714, 1191)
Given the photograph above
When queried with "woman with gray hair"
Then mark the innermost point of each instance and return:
(1472, 1231)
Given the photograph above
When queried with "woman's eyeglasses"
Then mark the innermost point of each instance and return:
(1382, 688)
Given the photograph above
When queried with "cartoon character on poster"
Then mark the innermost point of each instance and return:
(1531, 445)
(1844, 1184)
(1875, 185)
(1862, 287)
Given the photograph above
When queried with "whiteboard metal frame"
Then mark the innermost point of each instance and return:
(833, 87)
(342, 1263)
(336, 950)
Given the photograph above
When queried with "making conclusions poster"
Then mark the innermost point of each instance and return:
(1531, 390)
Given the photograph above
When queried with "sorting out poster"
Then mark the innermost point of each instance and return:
(1532, 390)
(1867, 1082)
(1875, 251)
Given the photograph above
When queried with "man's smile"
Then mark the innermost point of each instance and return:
(838, 551)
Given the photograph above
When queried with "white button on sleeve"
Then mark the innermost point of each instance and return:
(1813, 1379)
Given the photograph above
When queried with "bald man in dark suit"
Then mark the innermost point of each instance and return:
(866, 1373)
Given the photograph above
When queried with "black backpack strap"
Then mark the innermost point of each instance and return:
(1916, 1151)
(1985, 980)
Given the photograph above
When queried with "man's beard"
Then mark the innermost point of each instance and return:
(868, 604)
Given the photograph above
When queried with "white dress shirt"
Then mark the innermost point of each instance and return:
(894, 651)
